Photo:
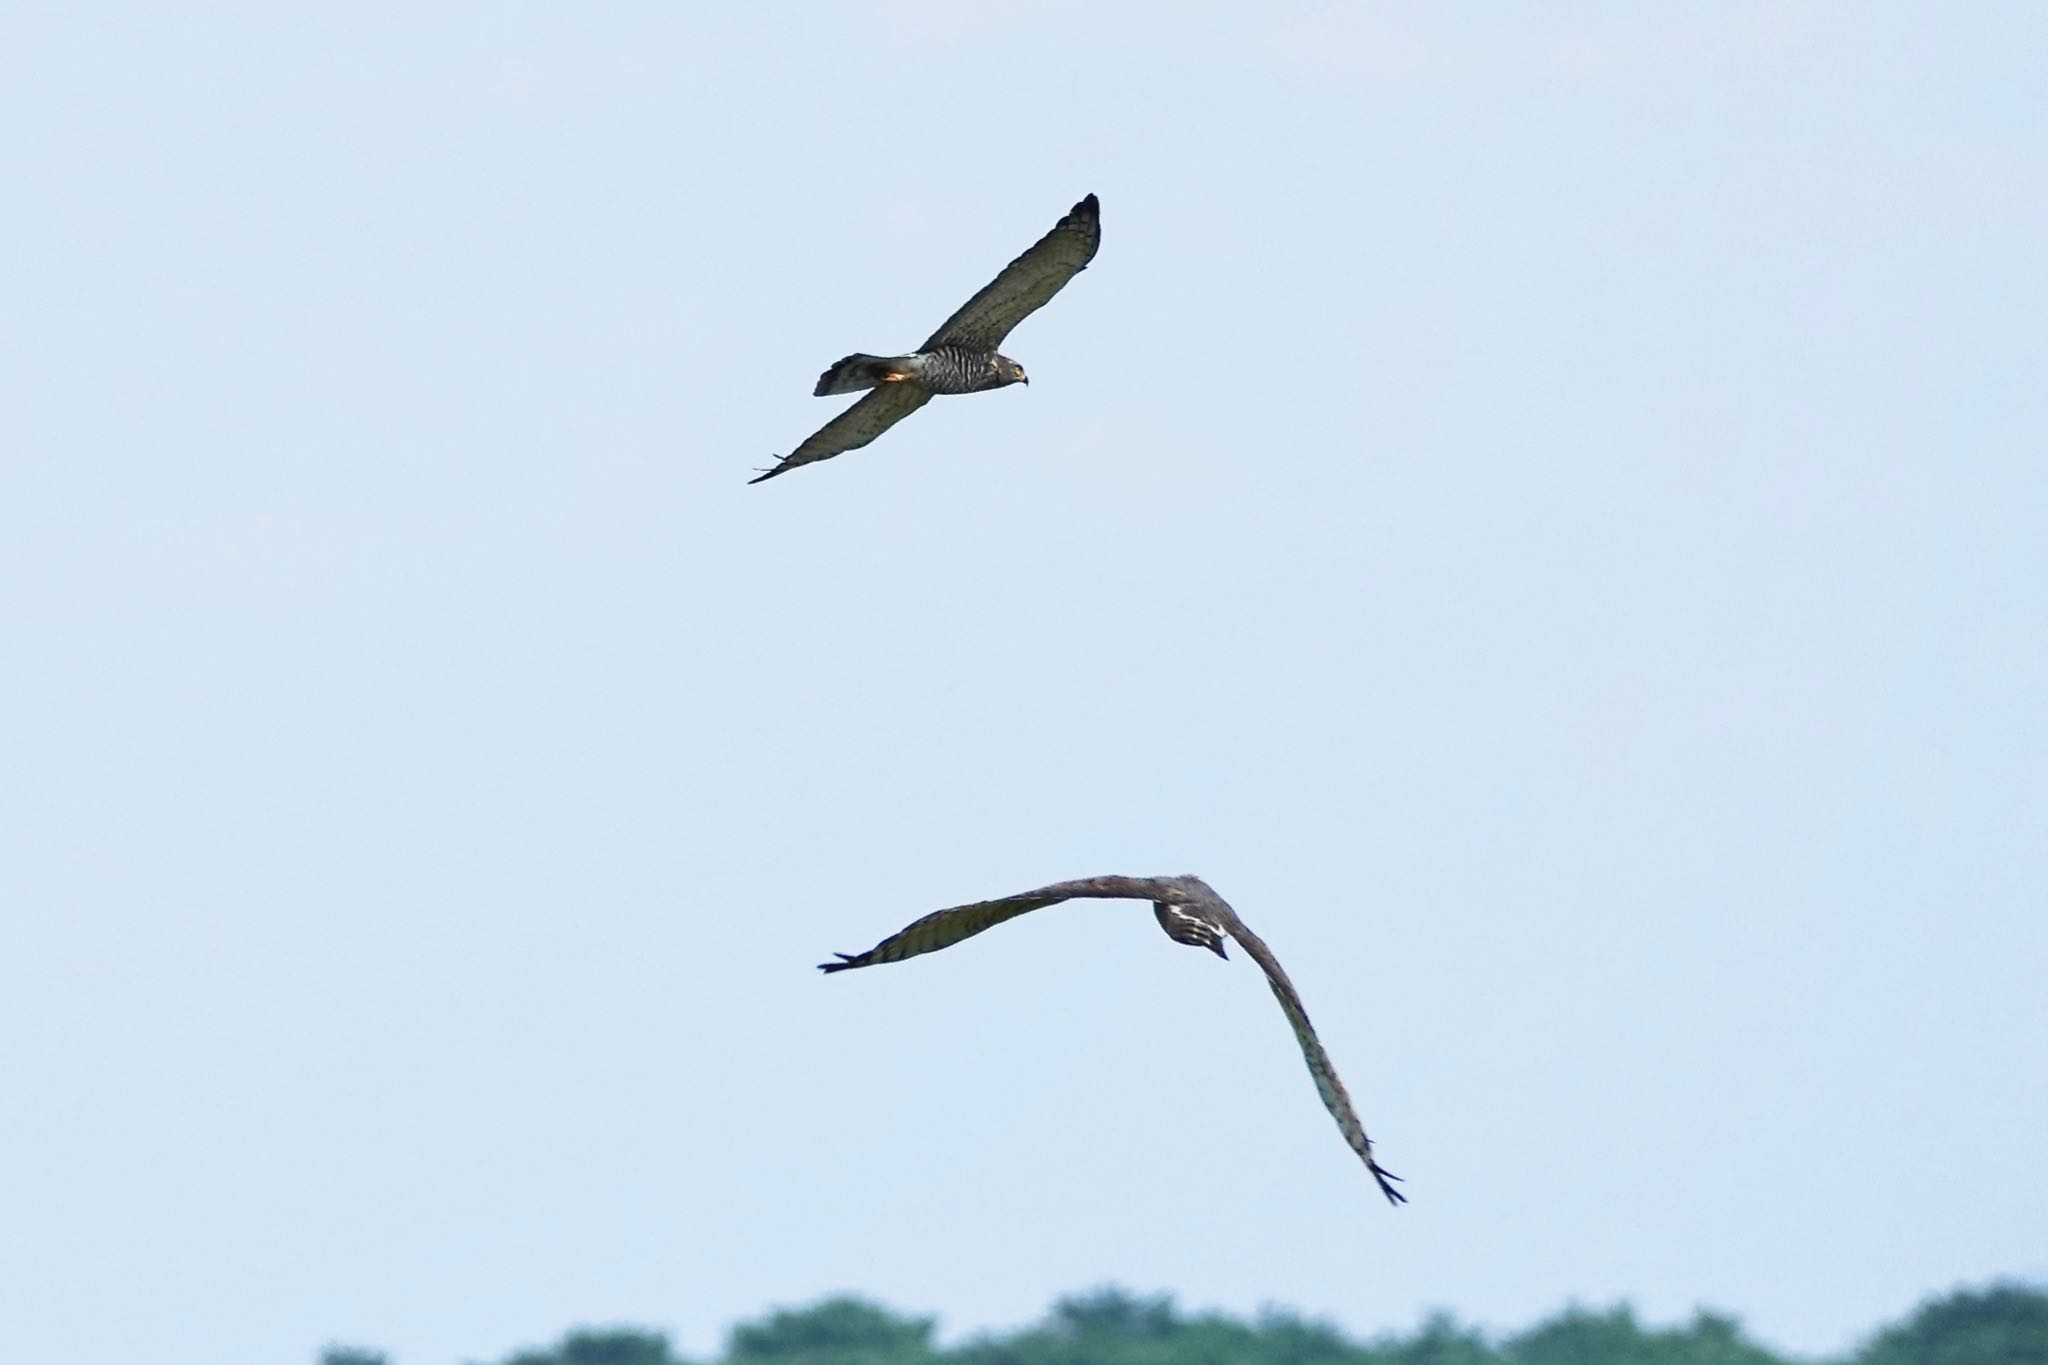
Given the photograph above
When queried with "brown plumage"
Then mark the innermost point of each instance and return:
(1190, 912)
(961, 357)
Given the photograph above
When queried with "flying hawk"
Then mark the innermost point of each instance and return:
(960, 357)
(1190, 912)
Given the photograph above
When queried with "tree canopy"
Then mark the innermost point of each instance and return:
(2004, 1324)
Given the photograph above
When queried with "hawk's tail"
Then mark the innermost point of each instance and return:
(861, 371)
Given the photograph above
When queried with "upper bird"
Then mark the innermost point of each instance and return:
(1191, 913)
(960, 357)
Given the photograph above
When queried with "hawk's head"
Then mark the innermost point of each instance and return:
(1009, 371)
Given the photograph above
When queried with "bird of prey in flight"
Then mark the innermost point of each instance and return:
(960, 357)
(1191, 913)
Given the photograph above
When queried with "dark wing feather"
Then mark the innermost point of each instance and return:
(1026, 283)
(1335, 1098)
(883, 408)
(944, 928)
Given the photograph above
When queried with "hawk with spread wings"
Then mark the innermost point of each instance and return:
(1191, 913)
(960, 357)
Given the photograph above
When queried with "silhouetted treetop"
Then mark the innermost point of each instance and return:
(2004, 1324)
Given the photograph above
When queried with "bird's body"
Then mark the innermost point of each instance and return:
(961, 357)
(1190, 912)
(942, 369)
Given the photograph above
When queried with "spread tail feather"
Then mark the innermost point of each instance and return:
(860, 371)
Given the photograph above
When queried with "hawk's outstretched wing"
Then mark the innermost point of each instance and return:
(1186, 906)
(883, 408)
(1026, 283)
(1335, 1098)
(944, 928)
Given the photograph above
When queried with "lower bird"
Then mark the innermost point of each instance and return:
(1190, 912)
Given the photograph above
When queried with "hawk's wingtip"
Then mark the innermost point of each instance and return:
(845, 961)
(779, 469)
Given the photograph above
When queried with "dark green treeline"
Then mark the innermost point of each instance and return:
(2000, 1325)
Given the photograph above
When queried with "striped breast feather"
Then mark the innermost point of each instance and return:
(956, 369)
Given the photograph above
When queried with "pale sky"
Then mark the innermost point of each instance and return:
(1544, 511)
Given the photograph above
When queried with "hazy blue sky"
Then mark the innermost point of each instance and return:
(1546, 512)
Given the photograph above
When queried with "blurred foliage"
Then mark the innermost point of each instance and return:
(841, 1331)
(2006, 1324)
(602, 1346)
(2003, 1325)
(1615, 1335)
